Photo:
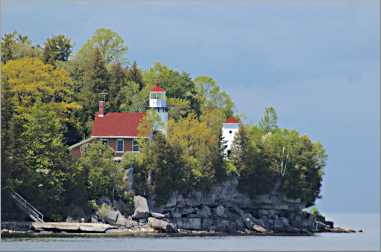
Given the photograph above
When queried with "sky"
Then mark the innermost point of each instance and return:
(316, 62)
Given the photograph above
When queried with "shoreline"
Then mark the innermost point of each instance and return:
(125, 234)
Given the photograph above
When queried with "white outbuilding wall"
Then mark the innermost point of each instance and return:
(229, 130)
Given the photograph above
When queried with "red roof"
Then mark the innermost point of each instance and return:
(157, 88)
(232, 119)
(124, 124)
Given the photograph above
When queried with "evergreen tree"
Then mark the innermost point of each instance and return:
(167, 173)
(135, 75)
(118, 79)
(96, 81)
(57, 48)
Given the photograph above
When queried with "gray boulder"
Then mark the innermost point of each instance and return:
(220, 211)
(107, 214)
(248, 221)
(141, 208)
(121, 220)
(161, 225)
(259, 229)
(94, 219)
(158, 215)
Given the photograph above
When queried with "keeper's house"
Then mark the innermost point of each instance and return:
(120, 130)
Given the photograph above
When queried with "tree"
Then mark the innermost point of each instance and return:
(178, 108)
(118, 80)
(166, 168)
(57, 48)
(30, 81)
(131, 99)
(210, 96)
(280, 161)
(98, 174)
(269, 120)
(95, 81)
(37, 103)
(251, 162)
(8, 135)
(110, 45)
(200, 149)
(45, 161)
(177, 85)
(134, 74)
(15, 46)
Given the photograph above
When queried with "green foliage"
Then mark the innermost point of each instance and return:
(109, 44)
(98, 174)
(178, 85)
(165, 167)
(15, 46)
(280, 161)
(132, 99)
(251, 162)
(178, 108)
(269, 120)
(31, 81)
(57, 48)
(44, 158)
(118, 79)
(129, 207)
(134, 74)
(210, 96)
(103, 211)
(94, 79)
(47, 106)
(315, 212)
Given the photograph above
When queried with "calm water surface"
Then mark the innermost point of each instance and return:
(368, 240)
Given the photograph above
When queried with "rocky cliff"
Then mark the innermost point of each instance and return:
(225, 209)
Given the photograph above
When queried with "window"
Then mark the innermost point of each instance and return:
(135, 145)
(119, 145)
(155, 96)
(104, 140)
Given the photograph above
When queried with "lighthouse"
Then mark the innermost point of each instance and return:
(158, 103)
(229, 130)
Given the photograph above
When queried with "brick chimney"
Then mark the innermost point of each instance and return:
(101, 111)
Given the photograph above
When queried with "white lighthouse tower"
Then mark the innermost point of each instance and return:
(158, 103)
(229, 130)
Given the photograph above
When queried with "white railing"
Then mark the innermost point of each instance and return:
(33, 213)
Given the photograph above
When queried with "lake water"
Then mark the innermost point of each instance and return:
(368, 240)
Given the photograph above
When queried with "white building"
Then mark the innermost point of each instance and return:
(229, 130)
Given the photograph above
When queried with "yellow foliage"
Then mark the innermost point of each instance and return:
(31, 81)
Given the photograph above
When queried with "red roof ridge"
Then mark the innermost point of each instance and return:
(231, 119)
(157, 88)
